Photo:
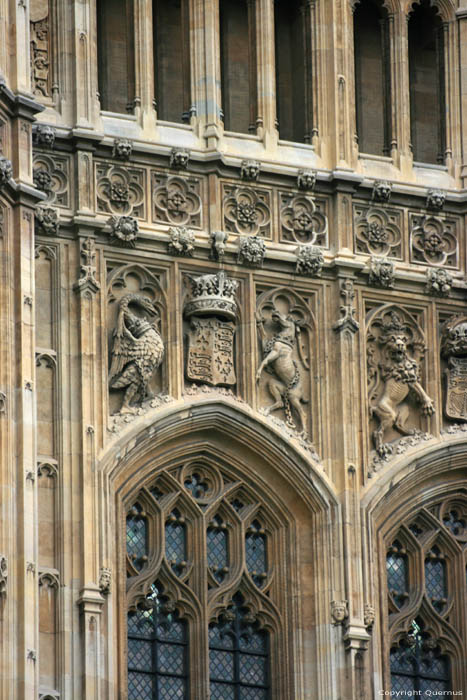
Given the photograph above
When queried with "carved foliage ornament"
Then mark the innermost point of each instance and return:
(381, 273)
(137, 350)
(211, 312)
(124, 230)
(182, 241)
(176, 200)
(378, 231)
(284, 327)
(310, 261)
(246, 210)
(454, 350)
(51, 175)
(251, 251)
(87, 282)
(395, 348)
(434, 241)
(438, 282)
(301, 219)
(347, 322)
(40, 54)
(6, 171)
(120, 190)
(47, 220)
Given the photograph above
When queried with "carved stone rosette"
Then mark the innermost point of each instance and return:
(210, 311)
(251, 251)
(52, 176)
(378, 231)
(47, 220)
(302, 219)
(438, 282)
(177, 200)
(310, 261)
(454, 351)
(124, 230)
(182, 241)
(381, 273)
(395, 348)
(120, 190)
(246, 211)
(434, 241)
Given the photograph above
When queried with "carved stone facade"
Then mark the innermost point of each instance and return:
(233, 376)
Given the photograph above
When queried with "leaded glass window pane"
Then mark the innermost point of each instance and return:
(175, 541)
(217, 545)
(256, 553)
(417, 666)
(454, 523)
(157, 651)
(396, 569)
(435, 578)
(238, 655)
(137, 536)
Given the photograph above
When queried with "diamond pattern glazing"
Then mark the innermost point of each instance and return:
(255, 552)
(136, 537)
(217, 547)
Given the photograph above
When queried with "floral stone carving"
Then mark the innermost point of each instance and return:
(43, 135)
(120, 190)
(137, 351)
(378, 231)
(302, 219)
(251, 251)
(211, 312)
(40, 50)
(246, 210)
(435, 199)
(51, 175)
(182, 241)
(454, 351)
(87, 282)
(381, 273)
(122, 149)
(310, 261)
(438, 282)
(433, 241)
(46, 219)
(124, 230)
(176, 200)
(6, 171)
(250, 170)
(306, 180)
(382, 190)
(395, 347)
(280, 322)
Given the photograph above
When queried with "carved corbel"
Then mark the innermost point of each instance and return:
(250, 170)
(87, 282)
(6, 171)
(182, 241)
(347, 309)
(122, 149)
(43, 135)
(339, 611)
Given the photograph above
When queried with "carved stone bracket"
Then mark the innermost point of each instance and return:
(122, 149)
(382, 191)
(347, 309)
(339, 611)
(251, 251)
(6, 171)
(3, 575)
(87, 282)
(218, 244)
(3, 402)
(182, 241)
(250, 170)
(105, 580)
(369, 614)
(49, 578)
(310, 261)
(46, 220)
(179, 158)
(438, 282)
(381, 273)
(435, 199)
(124, 230)
(43, 135)
(306, 180)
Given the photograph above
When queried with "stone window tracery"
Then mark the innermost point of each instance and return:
(202, 589)
(426, 598)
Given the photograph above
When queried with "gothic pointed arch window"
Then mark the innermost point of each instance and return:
(293, 53)
(427, 598)
(427, 83)
(372, 77)
(172, 87)
(238, 64)
(206, 601)
(115, 55)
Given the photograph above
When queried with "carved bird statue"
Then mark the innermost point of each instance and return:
(137, 351)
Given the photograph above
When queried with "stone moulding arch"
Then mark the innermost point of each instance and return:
(446, 9)
(436, 472)
(287, 480)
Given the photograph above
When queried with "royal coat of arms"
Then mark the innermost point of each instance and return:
(210, 310)
(454, 350)
(211, 351)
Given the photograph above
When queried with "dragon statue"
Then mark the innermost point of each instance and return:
(286, 386)
(137, 351)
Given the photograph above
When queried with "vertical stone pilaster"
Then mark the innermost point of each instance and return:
(207, 86)
(462, 28)
(84, 76)
(144, 65)
(266, 77)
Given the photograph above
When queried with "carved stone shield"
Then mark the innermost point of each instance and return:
(210, 357)
(456, 388)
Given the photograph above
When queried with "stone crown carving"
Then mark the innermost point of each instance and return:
(212, 295)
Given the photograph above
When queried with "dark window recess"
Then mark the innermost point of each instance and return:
(372, 77)
(115, 54)
(292, 26)
(426, 72)
(238, 65)
(172, 60)
(417, 664)
(157, 650)
(238, 656)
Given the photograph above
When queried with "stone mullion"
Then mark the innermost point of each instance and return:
(448, 104)
(392, 68)
(402, 92)
(84, 33)
(462, 38)
(266, 119)
(90, 600)
(343, 69)
(144, 63)
(207, 85)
